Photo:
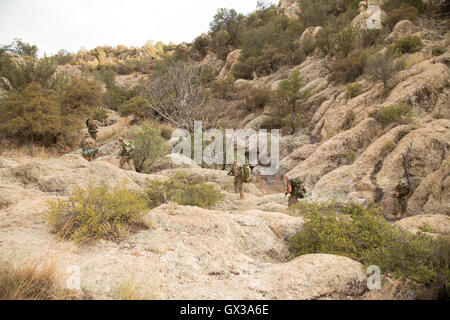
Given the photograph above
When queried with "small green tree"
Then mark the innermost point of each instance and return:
(80, 96)
(150, 147)
(34, 114)
(382, 66)
(137, 106)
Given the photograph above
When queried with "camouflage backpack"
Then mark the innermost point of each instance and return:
(127, 147)
(403, 188)
(246, 174)
(298, 188)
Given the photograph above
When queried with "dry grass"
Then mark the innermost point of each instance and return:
(129, 290)
(391, 289)
(20, 153)
(120, 129)
(32, 282)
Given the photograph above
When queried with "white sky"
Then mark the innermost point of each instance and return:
(70, 24)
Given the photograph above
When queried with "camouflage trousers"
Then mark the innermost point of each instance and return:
(88, 157)
(127, 160)
(293, 200)
(402, 204)
(239, 187)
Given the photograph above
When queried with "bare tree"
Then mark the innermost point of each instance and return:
(178, 96)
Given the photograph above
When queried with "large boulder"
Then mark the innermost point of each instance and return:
(309, 36)
(432, 224)
(337, 151)
(433, 193)
(190, 253)
(357, 182)
(232, 58)
(426, 148)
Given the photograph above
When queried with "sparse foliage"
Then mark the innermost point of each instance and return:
(150, 148)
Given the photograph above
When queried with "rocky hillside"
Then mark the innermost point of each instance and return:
(356, 139)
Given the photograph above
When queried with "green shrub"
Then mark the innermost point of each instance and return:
(201, 44)
(19, 74)
(349, 120)
(97, 212)
(354, 90)
(344, 42)
(184, 191)
(401, 113)
(382, 66)
(349, 68)
(404, 12)
(100, 114)
(150, 147)
(391, 5)
(316, 12)
(256, 97)
(137, 106)
(115, 96)
(408, 44)
(362, 234)
(79, 97)
(223, 89)
(107, 76)
(389, 145)
(438, 50)
(35, 115)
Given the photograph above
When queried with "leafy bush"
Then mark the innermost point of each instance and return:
(404, 12)
(316, 12)
(349, 68)
(382, 66)
(100, 114)
(350, 117)
(184, 191)
(201, 44)
(223, 88)
(97, 212)
(137, 106)
(115, 96)
(34, 114)
(354, 90)
(80, 96)
(150, 147)
(362, 234)
(401, 113)
(344, 42)
(16, 75)
(391, 5)
(107, 76)
(438, 50)
(266, 48)
(255, 97)
(408, 44)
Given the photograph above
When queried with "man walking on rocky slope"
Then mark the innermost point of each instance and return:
(296, 190)
(241, 174)
(126, 157)
(89, 150)
(402, 193)
(92, 126)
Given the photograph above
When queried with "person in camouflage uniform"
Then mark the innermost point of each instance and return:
(296, 190)
(125, 154)
(236, 172)
(89, 150)
(92, 126)
(402, 193)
